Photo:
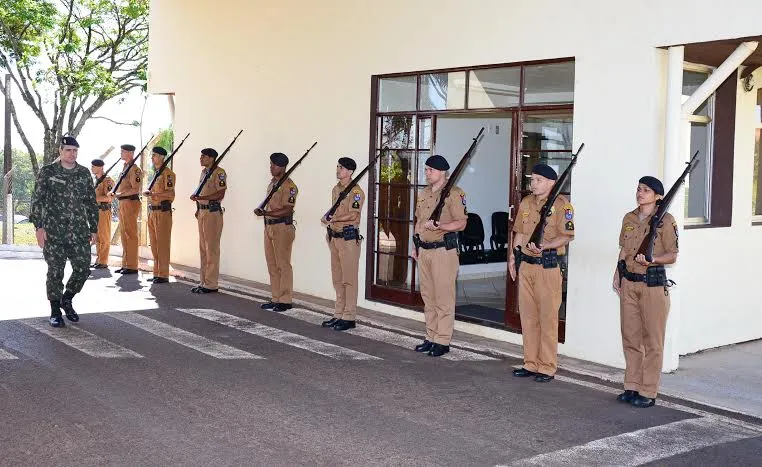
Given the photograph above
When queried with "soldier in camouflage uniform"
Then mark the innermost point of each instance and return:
(65, 217)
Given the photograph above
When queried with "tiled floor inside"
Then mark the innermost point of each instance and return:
(489, 292)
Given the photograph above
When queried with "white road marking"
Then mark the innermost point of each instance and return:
(278, 335)
(382, 335)
(182, 337)
(647, 445)
(81, 340)
(4, 355)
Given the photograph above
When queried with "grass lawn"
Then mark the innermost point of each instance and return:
(23, 234)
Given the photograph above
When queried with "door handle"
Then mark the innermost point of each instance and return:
(510, 212)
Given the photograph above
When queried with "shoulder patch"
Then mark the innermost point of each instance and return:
(628, 228)
(569, 226)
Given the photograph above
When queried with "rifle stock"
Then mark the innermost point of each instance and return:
(166, 163)
(351, 185)
(539, 229)
(285, 176)
(126, 170)
(647, 245)
(214, 165)
(437, 212)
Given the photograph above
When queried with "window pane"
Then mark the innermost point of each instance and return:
(393, 271)
(757, 191)
(558, 160)
(394, 202)
(697, 185)
(549, 84)
(691, 82)
(424, 134)
(547, 132)
(422, 156)
(396, 94)
(495, 87)
(442, 91)
(395, 166)
(394, 237)
(398, 132)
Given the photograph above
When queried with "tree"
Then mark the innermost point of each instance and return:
(68, 58)
(23, 181)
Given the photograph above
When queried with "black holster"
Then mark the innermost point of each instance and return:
(450, 240)
(549, 259)
(656, 276)
(350, 232)
(517, 259)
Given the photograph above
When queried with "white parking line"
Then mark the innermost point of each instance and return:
(278, 335)
(182, 337)
(81, 340)
(4, 355)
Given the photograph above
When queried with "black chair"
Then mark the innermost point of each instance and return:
(471, 240)
(499, 238)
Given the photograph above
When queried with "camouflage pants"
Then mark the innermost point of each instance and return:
(56, 253)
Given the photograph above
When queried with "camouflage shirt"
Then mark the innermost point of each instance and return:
(63, 202)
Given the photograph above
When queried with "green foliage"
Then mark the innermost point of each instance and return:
(23, 181)
(166, 139)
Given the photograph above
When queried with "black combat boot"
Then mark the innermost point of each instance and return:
(71, 315)
(56, 320)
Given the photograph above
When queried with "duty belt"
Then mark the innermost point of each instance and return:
(279, 220)
(104, 206)
(212, 207)
(335, 234)
(162, 208)
(431, 245)
(632, 277)
(130, 197)
(531, 259)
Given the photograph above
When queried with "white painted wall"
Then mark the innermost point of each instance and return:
(291, 72)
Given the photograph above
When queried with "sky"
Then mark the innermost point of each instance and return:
(97, 135)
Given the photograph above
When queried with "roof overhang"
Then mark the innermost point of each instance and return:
(713, 53)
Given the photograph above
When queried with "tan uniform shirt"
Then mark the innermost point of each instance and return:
(102, 190)
(217, 182)
(131, 183)
(164, 188)
(285, 196)
(454, 210)
(560, 221)
(352, 203)
(634, 231)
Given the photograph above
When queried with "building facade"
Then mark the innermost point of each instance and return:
(642, 84)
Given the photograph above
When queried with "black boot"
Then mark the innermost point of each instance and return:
(425, 347)
(627, 396)
(71, 315)
(56, 320)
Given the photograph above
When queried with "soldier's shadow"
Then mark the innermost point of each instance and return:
(128, 283)
(96, 274)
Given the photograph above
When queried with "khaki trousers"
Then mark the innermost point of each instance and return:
(438, 270)
(643, 313)
(539, 302)
(279, 238)
(128, 218)
(160, 235)
(103, 244)
(345, 259)
(209, 233)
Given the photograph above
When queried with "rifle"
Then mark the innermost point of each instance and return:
(127, 168)
(647, 246)
(100, 179)
(214, 166)
(285, 176)
(165, 163)
(539, 229)
(437, 212)
(351, 185)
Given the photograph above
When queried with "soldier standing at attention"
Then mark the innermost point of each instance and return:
(279, 235)
(539, 275)
(104, 198)
(129, 210)
(643, 295)
(344, 243)
(160, 198)
(209, 216)
(438, 255)
(65, 217)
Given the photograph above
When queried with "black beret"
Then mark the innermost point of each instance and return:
(128, 147)
(209, 152)
(438, 162)
(160, 150)
(279, 159)
(69, 141)
(348, 163)
(546, 171)
(653, 183)
(97, 162)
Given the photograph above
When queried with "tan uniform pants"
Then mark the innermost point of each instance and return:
(539, 302)
(438, 269)
(103, 244)
(209, 233)
(643, 313)
(128, 218)
(160, 235)
(279, 238)
(345, 259)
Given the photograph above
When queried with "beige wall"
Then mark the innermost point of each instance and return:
(292, 72)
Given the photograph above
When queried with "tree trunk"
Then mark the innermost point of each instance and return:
(50, 149)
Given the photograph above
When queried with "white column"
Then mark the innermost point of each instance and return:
(675, 148)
